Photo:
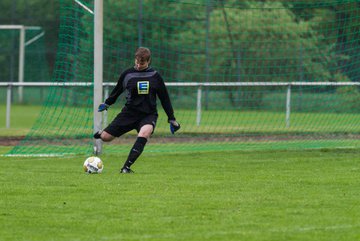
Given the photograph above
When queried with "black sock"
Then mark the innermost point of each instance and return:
(97, 135)
(135, 152)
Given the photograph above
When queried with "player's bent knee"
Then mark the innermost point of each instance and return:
(146, 131)
(106, 136)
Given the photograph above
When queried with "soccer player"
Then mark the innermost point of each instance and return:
(142, 84)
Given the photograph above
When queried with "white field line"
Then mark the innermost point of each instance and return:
(37, 155)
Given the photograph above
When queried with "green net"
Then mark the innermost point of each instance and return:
(35, 67)
(242, 75)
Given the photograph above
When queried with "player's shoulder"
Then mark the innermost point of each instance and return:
(129, 70)
(150, 71)
(154, 71)
(133, 70)
(125, 72)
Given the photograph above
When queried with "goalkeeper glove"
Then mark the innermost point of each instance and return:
(103, 107)
(174, 126)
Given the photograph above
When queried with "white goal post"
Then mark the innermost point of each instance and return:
(98, 64)
(98, 70)
(22, 48)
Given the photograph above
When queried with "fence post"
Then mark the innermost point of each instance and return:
(8, 105)
(288, 105)
(198, 106)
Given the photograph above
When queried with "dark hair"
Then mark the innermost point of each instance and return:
(143, 54)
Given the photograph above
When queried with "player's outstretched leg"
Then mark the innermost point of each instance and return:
(135, 152)
(104, 136)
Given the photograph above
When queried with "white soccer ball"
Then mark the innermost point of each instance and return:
(93, 165)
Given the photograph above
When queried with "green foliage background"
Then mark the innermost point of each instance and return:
(298, 40)
(311, 25)
(213, 41)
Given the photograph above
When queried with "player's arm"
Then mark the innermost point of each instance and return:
(115, 93)
(167, 106)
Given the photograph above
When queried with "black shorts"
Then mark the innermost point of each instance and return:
(128, 120)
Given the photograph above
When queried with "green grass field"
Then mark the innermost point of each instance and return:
(277, 195)
(22, 118)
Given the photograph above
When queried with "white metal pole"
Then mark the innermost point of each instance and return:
(8, 106)
(98, 69)
(288, 106)
(198, 106)
(21, 61)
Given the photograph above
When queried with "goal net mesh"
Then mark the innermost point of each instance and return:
(211, 43)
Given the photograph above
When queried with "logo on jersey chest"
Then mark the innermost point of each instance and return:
(143, 87)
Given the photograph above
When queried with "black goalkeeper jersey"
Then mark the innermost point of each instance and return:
(142, 87)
